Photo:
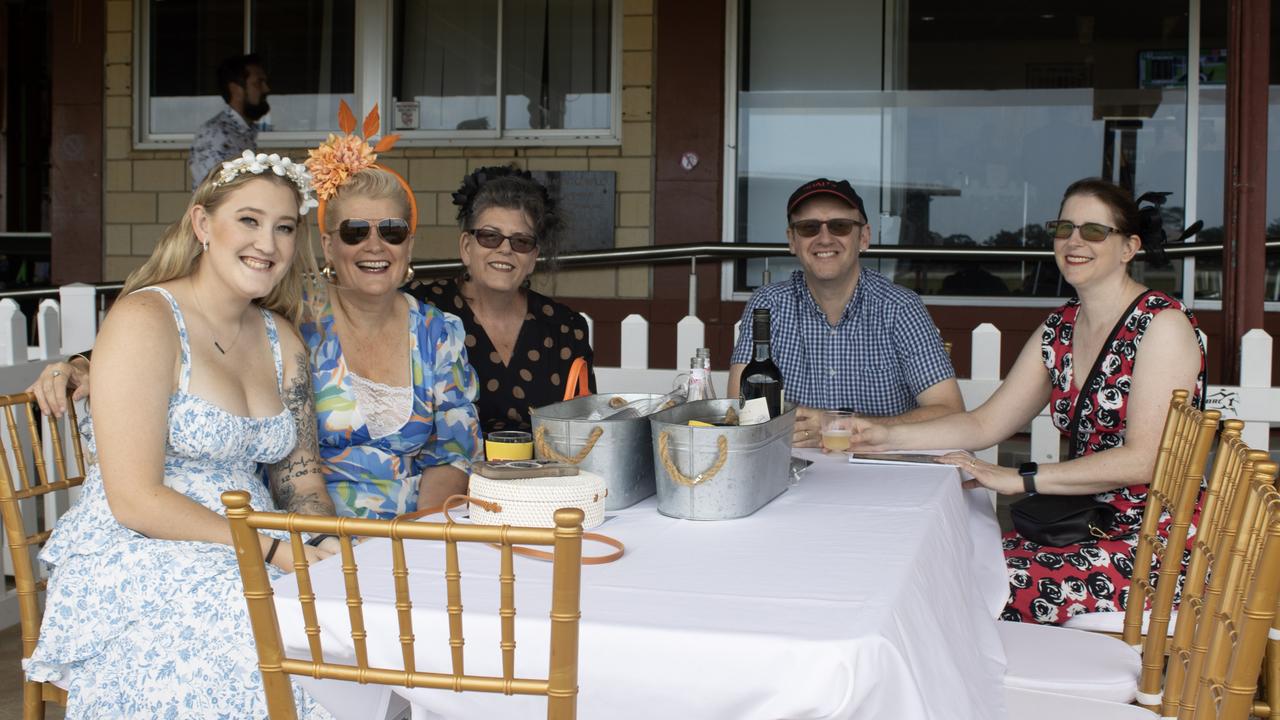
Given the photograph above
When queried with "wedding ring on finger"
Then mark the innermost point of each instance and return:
(56, 373)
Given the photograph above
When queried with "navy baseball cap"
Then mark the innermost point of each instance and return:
(822, 186)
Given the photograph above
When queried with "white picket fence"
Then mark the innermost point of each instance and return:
(69, 324)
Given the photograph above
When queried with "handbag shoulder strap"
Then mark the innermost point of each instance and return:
(1073, 433)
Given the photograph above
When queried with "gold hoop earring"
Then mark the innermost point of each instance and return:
(409, 275)
(327, 273)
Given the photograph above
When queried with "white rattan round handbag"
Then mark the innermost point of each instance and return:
(532, 502)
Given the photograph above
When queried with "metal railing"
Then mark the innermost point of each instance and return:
(664, 254)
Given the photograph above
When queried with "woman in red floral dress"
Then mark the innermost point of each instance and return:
(1132, 355)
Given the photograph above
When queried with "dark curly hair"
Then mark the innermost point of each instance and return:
(1141, 217)
(509, 187)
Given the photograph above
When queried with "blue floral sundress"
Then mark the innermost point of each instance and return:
(141, 628)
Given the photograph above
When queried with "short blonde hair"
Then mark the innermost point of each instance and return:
(178, 254)
(373, 183)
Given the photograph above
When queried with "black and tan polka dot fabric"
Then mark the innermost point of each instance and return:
(551, 337)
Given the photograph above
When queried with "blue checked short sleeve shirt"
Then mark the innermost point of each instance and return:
(883, 352)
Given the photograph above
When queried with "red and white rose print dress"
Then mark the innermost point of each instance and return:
(1050, 584)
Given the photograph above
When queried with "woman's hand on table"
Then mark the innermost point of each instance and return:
(1003, 480)
(808, 429)
(51, 387)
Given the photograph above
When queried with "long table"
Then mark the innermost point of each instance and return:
(862, 592)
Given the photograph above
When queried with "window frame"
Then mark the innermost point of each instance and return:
(374, 57)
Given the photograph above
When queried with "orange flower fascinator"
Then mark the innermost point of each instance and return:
(341, 157)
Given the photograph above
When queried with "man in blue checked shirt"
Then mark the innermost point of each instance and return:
(844, 336)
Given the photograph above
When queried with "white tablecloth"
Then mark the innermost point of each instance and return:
(862, 592)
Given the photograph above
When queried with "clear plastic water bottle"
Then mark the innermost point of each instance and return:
(699, 384)
(704, 354)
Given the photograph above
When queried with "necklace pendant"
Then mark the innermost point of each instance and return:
(215, 344)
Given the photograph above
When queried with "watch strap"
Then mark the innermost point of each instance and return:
(1028, 472)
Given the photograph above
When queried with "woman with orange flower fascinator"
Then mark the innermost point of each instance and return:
(394, 393)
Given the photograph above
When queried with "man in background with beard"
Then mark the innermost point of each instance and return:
(243, 83)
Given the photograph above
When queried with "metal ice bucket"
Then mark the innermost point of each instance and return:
(721, 472)
(620, 451)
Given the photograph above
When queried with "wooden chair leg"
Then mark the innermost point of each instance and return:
(32, 700)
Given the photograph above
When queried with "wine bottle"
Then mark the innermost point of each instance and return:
(760, 390)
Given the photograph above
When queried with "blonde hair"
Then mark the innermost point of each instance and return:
(371, 183)
(178, 254)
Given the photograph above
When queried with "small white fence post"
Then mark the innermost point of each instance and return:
(49, 328)
(1255, 374)
(984, 371)
(13, 333)
(591, 330)
(79, 317)
(635, 342)
(691, 334)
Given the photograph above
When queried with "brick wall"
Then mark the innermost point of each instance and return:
(145, 190)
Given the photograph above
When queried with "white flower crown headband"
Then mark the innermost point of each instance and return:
(282, 166)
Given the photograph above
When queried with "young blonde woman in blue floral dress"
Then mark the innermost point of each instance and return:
(199, 381)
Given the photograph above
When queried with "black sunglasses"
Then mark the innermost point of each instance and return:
(520, 242)
(393, 231)
(839, 227)
(1093, 232)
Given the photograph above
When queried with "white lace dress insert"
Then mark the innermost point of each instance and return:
(386, 408)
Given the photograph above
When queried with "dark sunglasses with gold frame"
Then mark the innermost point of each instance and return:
(393, 231)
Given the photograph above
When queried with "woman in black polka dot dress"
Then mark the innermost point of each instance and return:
(520, 342)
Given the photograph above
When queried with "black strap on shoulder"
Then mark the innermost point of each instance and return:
(1074, 432)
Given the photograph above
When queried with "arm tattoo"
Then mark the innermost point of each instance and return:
(303, 462)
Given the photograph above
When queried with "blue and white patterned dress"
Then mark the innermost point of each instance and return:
(142, 628)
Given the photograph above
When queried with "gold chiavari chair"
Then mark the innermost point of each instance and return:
(1230, 639)
(1060, 660)
(25, 479)
(1114, 623)
(561, 683)
(1223, 662)
(1175, 490)
(1220, 519)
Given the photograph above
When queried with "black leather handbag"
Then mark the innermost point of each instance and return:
(1062, 520)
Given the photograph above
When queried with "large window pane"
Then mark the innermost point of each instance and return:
(555, 72)
(447, 64)
(952, 143)
(308, 48)
(556, 65)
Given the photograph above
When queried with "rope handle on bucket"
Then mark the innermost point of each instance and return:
(664, 445)
(546, 451)
(457, 500)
